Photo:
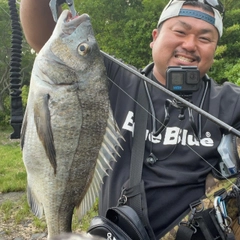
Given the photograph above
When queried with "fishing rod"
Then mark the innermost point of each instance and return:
(222, 124)
(225, 147)
(16, 82)
(54, 7)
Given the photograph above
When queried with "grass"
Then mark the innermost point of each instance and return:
(13, 179)
(6, 209)
(12, 170)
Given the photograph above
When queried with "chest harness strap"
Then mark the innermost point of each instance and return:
(134, 194)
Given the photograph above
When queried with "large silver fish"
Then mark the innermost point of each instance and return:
(67, 121)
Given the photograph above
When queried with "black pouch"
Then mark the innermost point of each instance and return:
(210, 227)
(121, 223)
(205, 226)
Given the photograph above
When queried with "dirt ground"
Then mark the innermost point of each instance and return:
(13, 196)
(10, 230)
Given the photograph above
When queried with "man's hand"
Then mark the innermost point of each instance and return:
(37, 22)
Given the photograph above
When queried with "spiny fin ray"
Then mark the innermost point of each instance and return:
(107, 153)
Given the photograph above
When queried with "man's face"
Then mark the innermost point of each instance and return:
(184, 41)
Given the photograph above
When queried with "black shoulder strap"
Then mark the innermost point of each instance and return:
(141, 116)
(138, 148)
(136, 190)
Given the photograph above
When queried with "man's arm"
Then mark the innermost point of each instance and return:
(37, 22)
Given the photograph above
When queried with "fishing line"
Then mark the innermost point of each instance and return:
(143, 78)
(188, 104)
(185, 102)
(5, 11)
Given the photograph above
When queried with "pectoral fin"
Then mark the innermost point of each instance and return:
(42, 120)
(35, 206)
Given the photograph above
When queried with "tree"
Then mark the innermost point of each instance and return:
(5, 58)
(124, 28)
(4, 52)
(230, 4)
(226, 66)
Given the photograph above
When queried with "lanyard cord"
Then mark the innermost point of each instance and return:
(201, 106)
(186, 145)
(188, 104)
(200, 111)
(167, 106)
(151, 107)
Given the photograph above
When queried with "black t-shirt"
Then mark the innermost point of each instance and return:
(178, 176)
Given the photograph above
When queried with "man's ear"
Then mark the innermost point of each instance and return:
(154, 37)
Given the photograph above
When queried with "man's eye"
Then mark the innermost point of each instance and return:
(205, 39)
(180, 32)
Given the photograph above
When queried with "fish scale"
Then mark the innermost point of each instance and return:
(69, 136)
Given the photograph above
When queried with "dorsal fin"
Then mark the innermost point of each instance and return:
(108, 151)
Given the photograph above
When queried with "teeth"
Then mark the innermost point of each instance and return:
(184, 59)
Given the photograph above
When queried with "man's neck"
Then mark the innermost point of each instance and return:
(159, 77)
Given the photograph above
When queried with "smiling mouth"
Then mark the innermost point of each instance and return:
(184, 59)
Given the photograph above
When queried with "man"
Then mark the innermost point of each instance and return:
(187, 35)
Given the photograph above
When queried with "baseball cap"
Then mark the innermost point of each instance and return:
(174, 9)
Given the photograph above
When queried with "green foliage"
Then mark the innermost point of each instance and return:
(23, 211)
(233, 73)
(18, 212)
(5, 115)
(13, 178)
(85, 221)
(6, 208)
(123, 28)
(230, 4)
(226, 64)
(5, 58)
(12, 170)
(25, 90)
(5, 43)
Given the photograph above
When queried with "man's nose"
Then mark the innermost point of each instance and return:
(190, 43)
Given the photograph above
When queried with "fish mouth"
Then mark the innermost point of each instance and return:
(76, 19)
(71, 23)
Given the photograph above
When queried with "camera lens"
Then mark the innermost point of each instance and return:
(192, 78)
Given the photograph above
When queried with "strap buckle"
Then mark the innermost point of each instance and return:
(123, 198)
(195, 207)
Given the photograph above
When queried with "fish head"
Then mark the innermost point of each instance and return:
(72, 50)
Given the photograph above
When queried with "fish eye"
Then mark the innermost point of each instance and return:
(83, 49)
